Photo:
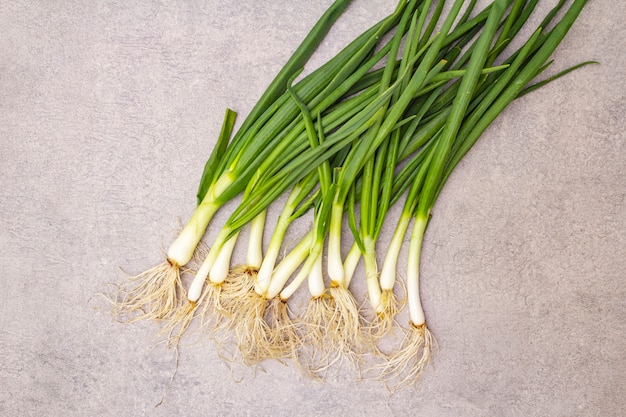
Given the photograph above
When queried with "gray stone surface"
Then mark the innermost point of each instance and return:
(109, 109)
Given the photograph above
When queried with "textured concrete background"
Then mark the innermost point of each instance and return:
(108, 111)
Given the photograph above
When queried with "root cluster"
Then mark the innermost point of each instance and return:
(407, 364)
(153, 294)
(385, 315)
(330, 333)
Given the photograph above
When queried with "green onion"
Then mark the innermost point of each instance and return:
(414, 354)
(389, 117)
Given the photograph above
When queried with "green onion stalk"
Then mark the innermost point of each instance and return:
(229, 291)
(371, 173)
(157, 292)
(457, 137)
(258, 158)
(251, 206)
(263, 152)
(344, 309)
(269, 289)
(355, 162)
(385, 144)
(261, 320)
(340, 317)
(376, 191)
(418, 343)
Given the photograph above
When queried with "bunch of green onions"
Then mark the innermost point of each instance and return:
(386, 120)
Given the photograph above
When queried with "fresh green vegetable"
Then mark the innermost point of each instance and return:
(387, 119)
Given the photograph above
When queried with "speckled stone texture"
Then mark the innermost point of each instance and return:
(108, 111)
